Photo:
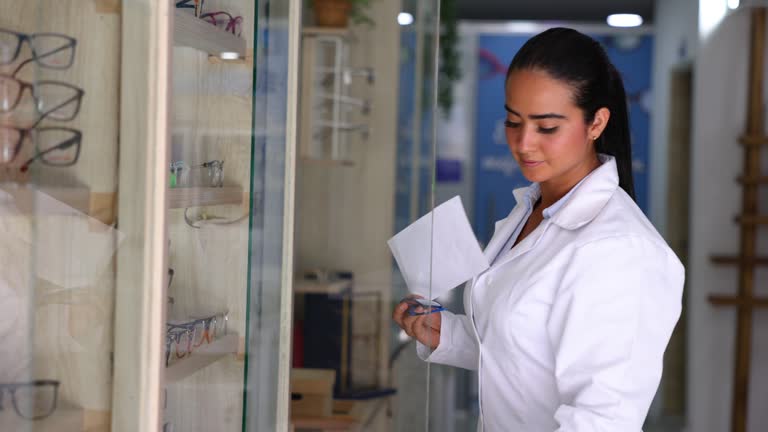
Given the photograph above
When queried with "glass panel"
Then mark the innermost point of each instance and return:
(227, 200)
(364, 173)
(60, 240)
(417, 112)
(141, 239)
(268, 338)
(208, 216)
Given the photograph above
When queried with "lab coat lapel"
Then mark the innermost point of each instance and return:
(583, 206)
(505, 227)
(525, 245)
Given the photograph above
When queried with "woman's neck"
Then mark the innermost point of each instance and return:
(554, 189)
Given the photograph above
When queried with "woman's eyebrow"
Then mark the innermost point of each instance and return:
(535, 116)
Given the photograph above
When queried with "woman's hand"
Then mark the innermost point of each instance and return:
(424, 328)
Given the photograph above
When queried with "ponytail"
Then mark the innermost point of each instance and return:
(615, 139)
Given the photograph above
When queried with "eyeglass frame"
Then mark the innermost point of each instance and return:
(175, 335)
(231, 24)
(79, 93)
(21, 37)
(12, 387)
(25, 133)
(174, 332)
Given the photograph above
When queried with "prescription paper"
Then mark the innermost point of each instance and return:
(441, 241)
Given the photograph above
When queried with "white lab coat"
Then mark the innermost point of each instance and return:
(568, 329)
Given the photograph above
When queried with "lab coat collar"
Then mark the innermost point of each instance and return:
(587, 199)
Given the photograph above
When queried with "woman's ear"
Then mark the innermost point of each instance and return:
(599, 123)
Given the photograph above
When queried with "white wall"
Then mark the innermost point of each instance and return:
(720, 89)
(676, 24)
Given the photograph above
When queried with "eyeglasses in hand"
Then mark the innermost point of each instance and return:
(55, 146)
(32, 400)
(49, 50)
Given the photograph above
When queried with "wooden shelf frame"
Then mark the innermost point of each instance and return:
(736, 260)
(327, 31)
(725, 300)
(191, 31)
(752, 180)
(752, 219)
(184, 197)
(70, 418)
(753, 141)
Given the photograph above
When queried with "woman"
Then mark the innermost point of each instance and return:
(568, 327)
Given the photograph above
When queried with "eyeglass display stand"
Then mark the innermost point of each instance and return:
(211, 110)
(326, 117)
(183, 197)
(68, 418)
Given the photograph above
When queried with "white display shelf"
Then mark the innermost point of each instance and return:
(303, 286)
(190, 31)
(71, 419)
(326, 31)
(184, 197)
(202, 357)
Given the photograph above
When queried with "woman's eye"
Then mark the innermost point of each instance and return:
(548, 130)
(510, 124)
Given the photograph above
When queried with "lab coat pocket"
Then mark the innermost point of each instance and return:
(525, 312)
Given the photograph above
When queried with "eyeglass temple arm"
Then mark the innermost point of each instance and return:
(59, 146)
(21, 65)
(36, 57)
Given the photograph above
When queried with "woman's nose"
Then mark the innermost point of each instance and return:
(525, 140)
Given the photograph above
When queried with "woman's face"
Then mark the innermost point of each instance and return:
(546, 131)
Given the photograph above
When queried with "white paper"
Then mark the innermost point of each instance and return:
(442, 248)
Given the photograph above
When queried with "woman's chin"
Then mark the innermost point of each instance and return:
(534, 175)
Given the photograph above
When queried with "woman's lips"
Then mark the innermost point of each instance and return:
(530, 164)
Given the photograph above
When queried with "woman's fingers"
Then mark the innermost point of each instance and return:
(424, 328)
(430, 336)
(399, 312)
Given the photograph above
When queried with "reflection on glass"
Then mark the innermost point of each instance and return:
(52, 99)
(49, 50)
(30, 400)
(56, 146)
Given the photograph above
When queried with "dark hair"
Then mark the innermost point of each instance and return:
(577, 59)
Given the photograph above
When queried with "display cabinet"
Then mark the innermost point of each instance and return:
(146, 205)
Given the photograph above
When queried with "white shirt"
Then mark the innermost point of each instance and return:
(568, 329)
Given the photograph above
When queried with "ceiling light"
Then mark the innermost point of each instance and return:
(624, 20)
(733, 4)
(404, 19)
(229, 55)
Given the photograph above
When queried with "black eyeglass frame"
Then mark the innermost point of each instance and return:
(12, 387)
(29, 38)
(76, 139)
